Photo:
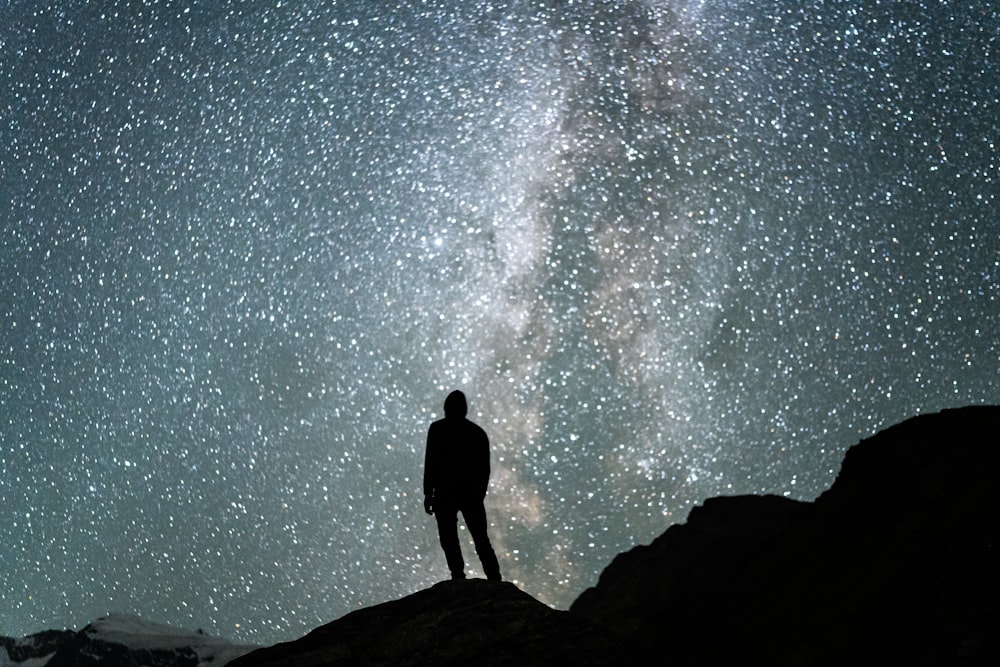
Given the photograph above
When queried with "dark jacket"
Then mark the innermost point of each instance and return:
(457, 461)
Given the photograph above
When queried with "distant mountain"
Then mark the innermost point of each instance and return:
(897, 563)
(34, 649)
(120, 641)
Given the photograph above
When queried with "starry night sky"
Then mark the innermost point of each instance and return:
(669, 249)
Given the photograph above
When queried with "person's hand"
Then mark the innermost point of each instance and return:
(428, 505)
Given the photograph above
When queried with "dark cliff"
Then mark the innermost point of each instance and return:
(895, 564)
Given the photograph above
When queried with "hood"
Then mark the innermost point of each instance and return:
(455, 405)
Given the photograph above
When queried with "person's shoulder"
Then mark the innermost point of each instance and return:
(476, 428)
(436, 427)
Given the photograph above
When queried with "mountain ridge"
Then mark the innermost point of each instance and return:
(894, 563)
(119, 640)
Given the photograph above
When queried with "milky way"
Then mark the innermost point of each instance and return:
(670, 250)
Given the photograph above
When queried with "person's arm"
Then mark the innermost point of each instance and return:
(430, 472)
(484, 463)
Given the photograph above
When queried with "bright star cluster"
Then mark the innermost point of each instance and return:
(670, 249)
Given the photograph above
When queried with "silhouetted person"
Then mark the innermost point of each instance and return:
(456, 474)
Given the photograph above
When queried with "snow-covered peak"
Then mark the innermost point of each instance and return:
(138, 634)
(34, 650)
(120, 639)
(134, 632)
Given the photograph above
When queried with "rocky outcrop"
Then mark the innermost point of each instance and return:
(471, 622)
(33, 648)
(673, 587)
(120, 640)
(895, 564)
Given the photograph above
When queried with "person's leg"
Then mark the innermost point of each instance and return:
(447, 521)
(475, 519)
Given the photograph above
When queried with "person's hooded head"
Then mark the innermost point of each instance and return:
(455, 405)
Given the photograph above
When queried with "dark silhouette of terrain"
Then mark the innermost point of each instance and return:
(897, 563)
(462, 622)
